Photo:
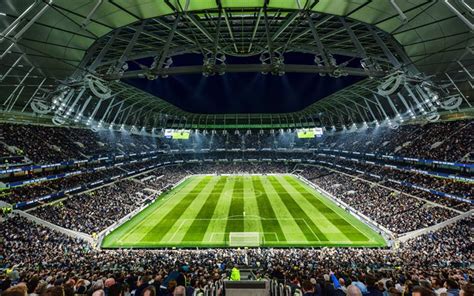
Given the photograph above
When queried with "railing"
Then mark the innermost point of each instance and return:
(413, 234)
(68, 232)
(279, 289)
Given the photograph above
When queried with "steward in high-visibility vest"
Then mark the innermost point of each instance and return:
(235, 274)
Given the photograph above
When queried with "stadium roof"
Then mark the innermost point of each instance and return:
(48, 47)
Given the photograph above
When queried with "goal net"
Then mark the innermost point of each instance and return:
(244, 239)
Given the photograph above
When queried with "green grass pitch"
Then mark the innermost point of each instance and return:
(203, 210)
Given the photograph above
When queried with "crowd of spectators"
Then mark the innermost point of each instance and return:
(35, 190)
(239, 168)
(449, 202)
(392, 177)
(46, 144)
(398, 212)
(164, 177)
(456, 187)
(451, 186)
(94, 211)
(44, 259)
(446, 141)
(311, 173)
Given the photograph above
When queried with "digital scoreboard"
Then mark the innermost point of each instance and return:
(177, 134)
(309, 133)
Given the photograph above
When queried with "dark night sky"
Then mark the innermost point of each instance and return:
(242, 92)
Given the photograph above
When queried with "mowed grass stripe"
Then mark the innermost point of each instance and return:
(198, 228)
(235, 222)
(310, 230)
(265, 210)
(166, 224)
(252, 221)
(337, 220)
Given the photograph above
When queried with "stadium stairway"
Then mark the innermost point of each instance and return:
(247, 274)
(247, 288)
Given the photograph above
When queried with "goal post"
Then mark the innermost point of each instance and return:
(244, 239)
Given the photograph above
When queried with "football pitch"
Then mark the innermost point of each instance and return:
(280, 209)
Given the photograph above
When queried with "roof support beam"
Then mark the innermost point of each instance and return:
(218, 30)
(117, 113)
(31, 21)
(102, 53)
(164, 52)
(33, 95)
(123, 58)
(168, 27)
(198, 25)
(381, 107)
(78, 97)
(388, 53)
(230, 30)
(109, 107)
(5, 33)
(354, 38)
(267, 30)
(257, 23)
(125, 10)
(250, 68)
(91, 13)
(2, 77)
(285, 25)
(319, 44)
(9, 106)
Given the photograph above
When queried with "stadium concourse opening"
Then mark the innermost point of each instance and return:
(230, 147)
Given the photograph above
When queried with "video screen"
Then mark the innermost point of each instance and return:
(309, 133)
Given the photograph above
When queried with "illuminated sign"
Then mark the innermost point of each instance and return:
(309, 133)
(177, 134)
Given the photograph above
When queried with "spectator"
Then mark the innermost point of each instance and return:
(452, 287)
(353, 290)
(18, 290)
